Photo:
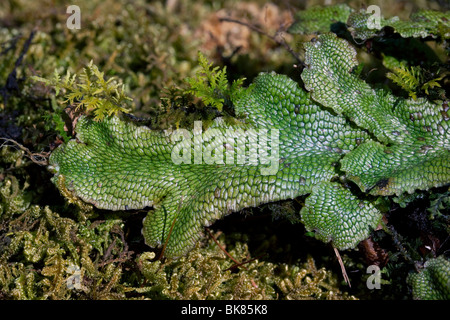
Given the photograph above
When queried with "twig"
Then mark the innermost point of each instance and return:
(246, 261)
(38, 158)
(344, 272)
(223, 249)
(273, 38)
(108, 252)
(124, 255)
(170, 231)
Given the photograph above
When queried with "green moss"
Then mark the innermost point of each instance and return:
(14, 200)
(84, 259)
(51, 248)
(212, 87)
(204, 273)
(90, 92)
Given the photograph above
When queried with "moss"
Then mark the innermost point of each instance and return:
(206, 273)
(13, 200)
(52, 249)
(46, 255)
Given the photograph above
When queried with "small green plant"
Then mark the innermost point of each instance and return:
(90, 91)
(55, 119)
(211, 85)
(413, 79)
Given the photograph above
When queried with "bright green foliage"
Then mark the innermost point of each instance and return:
(117, 165)
(411, 144)
(421, 24)
(412, 79)
(56, 120)
(319, 19)
(90, 91)
(44, 255)
(364, 25)
(150, 46)
(211, 85)
(336, 215)
(49, 255)
(433, 282)
(407, 78)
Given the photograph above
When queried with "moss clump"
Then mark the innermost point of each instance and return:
(52, 249)
(206, 273)
(66, 252)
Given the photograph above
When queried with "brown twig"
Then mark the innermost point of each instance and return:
(38, 158)
(124, 255)
(244, 262)
(223, 249)
(344, 272)
(170, 231)
(167, 239)
(274, 38)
